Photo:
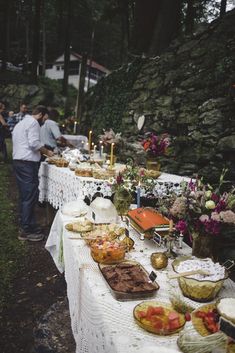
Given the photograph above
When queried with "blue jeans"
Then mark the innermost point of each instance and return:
(27, 181)
(3, 146)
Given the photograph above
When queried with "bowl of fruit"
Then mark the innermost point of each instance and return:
(159, 318)
(108, 252)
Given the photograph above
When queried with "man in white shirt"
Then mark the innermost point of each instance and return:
(27, 150)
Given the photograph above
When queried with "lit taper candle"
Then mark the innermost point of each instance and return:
(111, 155)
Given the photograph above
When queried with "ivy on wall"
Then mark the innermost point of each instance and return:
(106, 102)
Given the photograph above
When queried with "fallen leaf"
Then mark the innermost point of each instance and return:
(39, 284)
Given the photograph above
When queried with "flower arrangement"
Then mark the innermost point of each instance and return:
(203, 210)
(156, 145)
(108, 137)
(122, 190)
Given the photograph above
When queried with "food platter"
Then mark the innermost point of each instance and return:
(124, 275)
(204, 316)
(80, 226)
(159, 318)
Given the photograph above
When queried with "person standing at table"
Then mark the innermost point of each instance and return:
(50, 132)
(16, 118)
(3, 126)
(27, 150)
(22, 113)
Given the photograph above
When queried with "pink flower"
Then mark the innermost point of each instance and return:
(215, 216)
(227, 216)
(204, 218)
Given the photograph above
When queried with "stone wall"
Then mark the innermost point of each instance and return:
(46, 92)
(187, 92)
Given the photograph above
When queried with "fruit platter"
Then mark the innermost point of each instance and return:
(158, 318)
(206, 319)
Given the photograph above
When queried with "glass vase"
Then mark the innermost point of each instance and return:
(153, 164)
(122, 201)
(204, 246)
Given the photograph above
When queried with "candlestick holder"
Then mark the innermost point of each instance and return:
(169, 243)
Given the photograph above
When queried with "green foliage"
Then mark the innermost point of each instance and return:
(107, 101)
(11, 250)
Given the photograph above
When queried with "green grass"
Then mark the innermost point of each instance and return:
(12, 251)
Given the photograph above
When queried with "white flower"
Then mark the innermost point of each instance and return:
(210, 205)
(208, 194)
(204, 218)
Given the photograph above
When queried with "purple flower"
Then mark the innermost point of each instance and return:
(181, 226)
(221, 205)
(156, 145)
(192, 185)
(119, 179)
(214, 197)
(212, 227)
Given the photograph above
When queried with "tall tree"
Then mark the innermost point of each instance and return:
(5, 35)
(145, 16)
(67, 51)
(167, 25)
(190, 17)
(223, 6)
(36, 39)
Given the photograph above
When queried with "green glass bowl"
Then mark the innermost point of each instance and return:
(198, 290)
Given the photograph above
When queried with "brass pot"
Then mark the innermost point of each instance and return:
(159, 260)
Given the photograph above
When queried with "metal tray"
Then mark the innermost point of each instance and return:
(125, 296)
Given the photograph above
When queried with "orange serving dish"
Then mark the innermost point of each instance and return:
(148, 222)
(147, 218)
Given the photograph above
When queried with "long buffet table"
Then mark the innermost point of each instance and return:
(100, 323)
(61, 185)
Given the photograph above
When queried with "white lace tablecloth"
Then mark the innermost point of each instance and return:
(60, 185)
(100, 323)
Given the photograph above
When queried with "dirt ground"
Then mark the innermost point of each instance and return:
(37, 287)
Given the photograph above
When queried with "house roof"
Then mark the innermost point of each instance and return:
(94, 64)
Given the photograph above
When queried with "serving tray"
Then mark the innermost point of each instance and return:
(130, 295)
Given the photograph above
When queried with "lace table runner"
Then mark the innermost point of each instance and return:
(100, 323)
(61, 185)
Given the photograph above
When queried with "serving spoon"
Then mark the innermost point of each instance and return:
(189, 273)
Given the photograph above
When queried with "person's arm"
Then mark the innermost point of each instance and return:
(64, 142)
(34, 140)
(2, 120)
(44, 151)
(58, 137)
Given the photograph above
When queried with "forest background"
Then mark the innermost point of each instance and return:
(111, 32)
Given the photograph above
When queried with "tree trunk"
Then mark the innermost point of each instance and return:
(145, 15)
(43, 48)
(167, 25)
(27, 52)
(190, 17)
(67, 50)
(81, 84)
(5, 34)
(60, 24)
(36, 39)
(91, 57)
(223, 6)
